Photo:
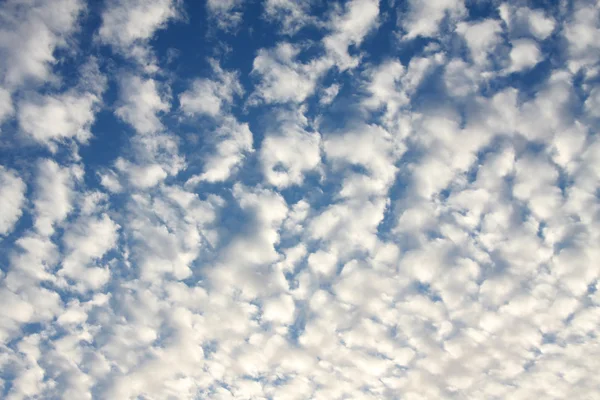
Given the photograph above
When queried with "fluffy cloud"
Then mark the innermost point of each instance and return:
(57, 117)
(12, 193)
(580, 31)
(210, 97)
(283, 78)
(127, 26)
(30, 35)
(481, 38)
(289, 152)
(53, 194)
(319, 215)
(524, 20)
(51, 118)
(524, 55)
(88, 240)
(231, 142)
(351, 28)
(424, 18)
(592, 103)
(140, 104)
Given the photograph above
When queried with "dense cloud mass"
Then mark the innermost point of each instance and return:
(308, 199)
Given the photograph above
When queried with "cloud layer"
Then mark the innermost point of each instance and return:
(299, 199)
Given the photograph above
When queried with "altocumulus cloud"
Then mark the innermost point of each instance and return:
(280, 199)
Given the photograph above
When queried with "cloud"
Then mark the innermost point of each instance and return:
(54, 118)
(481, 38)
(49, 119)
(580, 31)
(329, 94)
(370, 146)
(289, 151)
(12, 193)
(284, 79)
(231, 142)
(524, 55)
(140, 102)
(211, 97)
(592, 103)
(226, 13)
(128, 25)
(87, 240)
(321, 215)
(460, 78)
(291, 15)
(384, 88)
(139, 176)
(6, 105)
(244, 264)
(30, 35)
(53, 199)
(424, 18)
(524, 20)
(350, 28)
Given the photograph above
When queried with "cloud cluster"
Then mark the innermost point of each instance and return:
(368, 200)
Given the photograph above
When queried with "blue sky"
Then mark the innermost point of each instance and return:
(277, 199)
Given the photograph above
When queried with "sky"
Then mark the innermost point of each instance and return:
(299, 199)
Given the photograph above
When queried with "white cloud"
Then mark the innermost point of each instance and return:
(202, 98)
(592, 103)
(329, 94)
(581, 31)
(53, 198)
(535, 183)
(279, 310)
(210, 97)
(53, 118)
(161, 149)
(525, 54)
(110, 181)
(461, 78)
(139, 176)
(548, 113)
(244, 264)
(12, 197)
(30, 34)
(292, 15)
(140, 104)
(523, 20)
(283, 78)
(370, 146)
(323, 262)
(50, 118)
(288, 152)
(350, 28)
(87, 240)
(424, 18)
(446, 247)
(128, 26)
(481, 38)
(226, 13)
(163, 245)
(385, 88)
(231, 142)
